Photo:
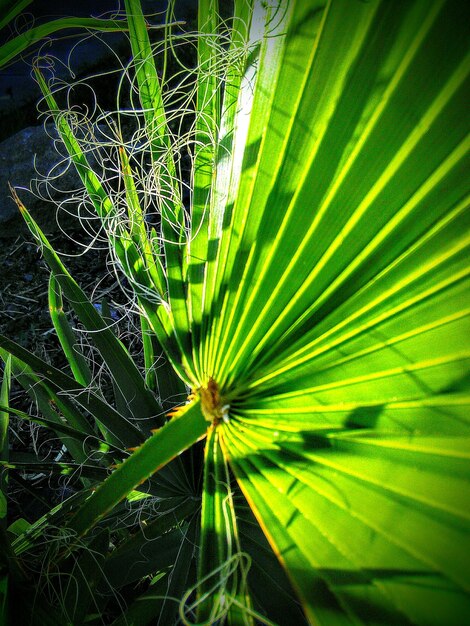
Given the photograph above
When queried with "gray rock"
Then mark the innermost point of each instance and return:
(25, 160)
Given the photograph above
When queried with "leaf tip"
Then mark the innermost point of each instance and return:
(16, 198)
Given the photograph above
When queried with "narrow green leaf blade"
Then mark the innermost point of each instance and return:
(170, 204)
(124, 247)
(4, 400)
(222, 572)
(140, 401)
(85, 577)
(179, 433)
(20, 43)
(69, 432)
(67, 339)
(102, 412)
(206, 124)
(10, 9)
(4, 444)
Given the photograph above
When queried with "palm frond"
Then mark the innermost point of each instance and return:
(319, 306)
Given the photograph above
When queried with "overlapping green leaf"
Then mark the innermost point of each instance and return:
(171, 207)
(167, 442)
(140, 402)
(114, 422)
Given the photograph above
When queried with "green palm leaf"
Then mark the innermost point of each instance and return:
(338, 306)
(320, 307)
(339, 343)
